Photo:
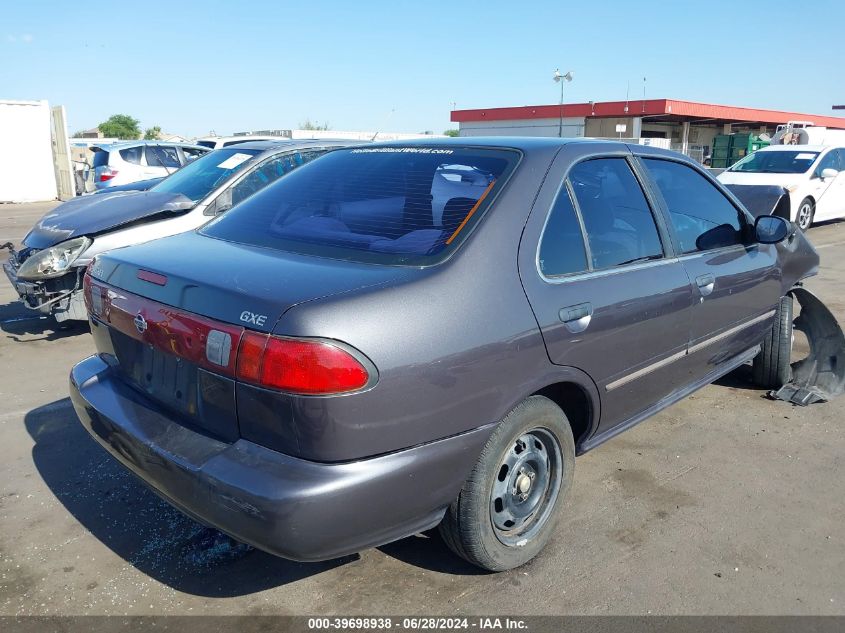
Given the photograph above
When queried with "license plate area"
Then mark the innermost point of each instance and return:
(193, 397)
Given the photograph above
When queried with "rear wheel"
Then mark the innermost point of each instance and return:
(771, 368)
(806, 211)
(509, 505)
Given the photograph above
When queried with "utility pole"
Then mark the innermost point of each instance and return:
(561, 79)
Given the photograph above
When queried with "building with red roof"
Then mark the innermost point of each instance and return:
(683, 125)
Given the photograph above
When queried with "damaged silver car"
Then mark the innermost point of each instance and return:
(47, 271)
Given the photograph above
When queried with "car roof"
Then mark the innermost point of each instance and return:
(256, 137)
(514, 142)
(289, 144)
(125, 144)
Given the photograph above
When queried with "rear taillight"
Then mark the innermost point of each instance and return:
(303, 366)
(295, 365)
(107, 174)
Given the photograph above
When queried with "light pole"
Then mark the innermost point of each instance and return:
(561, 79)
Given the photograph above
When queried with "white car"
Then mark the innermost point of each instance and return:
(123, 163)
(814, 176)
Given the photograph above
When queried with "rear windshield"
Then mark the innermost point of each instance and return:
(209, 144)
(200, 177)
(776, 162)
(392, 205)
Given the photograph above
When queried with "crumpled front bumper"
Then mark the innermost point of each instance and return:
(61, 297)
(290, 507)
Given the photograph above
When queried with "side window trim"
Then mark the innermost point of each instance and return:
(584, 239)
(658, 208)
(655, 216)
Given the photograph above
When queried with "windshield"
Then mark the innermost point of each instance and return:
(393, 205)
(778, 162)
(200, 177)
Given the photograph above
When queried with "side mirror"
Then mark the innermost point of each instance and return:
(770, 229)
(829, 173)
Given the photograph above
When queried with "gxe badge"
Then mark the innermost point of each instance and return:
(140, 323)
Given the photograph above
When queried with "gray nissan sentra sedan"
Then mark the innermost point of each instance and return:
(396, 337)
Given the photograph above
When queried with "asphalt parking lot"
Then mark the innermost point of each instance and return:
(726, 503)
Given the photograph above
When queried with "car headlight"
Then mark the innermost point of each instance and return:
(54, 261)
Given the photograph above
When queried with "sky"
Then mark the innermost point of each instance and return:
(196, 67)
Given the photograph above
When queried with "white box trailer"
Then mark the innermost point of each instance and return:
(27, 172)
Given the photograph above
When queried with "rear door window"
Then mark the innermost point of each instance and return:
(618, 221)
(160, 156)
(393, 205)
(131, 155)
(702, 216)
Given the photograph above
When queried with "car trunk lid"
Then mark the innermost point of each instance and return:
(172, 331)
(233, 283)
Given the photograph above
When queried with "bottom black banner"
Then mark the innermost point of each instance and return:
(520, 624)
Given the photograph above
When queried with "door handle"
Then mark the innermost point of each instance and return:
(706, 283)
(576, 318)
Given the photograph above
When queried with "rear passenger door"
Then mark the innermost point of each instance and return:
(736, 281)
(599, 271)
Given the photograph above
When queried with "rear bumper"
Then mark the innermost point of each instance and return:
(289, 507)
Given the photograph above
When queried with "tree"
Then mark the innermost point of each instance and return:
(120, 126)
(308, 125)
(152, 133)
(451, 132)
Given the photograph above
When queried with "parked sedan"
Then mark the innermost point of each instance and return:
(348, 357)
(124, 163)
(47, 271)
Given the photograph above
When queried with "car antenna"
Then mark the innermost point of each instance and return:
(389, 114)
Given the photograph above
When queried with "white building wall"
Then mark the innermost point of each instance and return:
(26, 152)
(572, 127)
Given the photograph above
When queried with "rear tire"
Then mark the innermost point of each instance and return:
(771, 367)
(509, 505)
(806, 212)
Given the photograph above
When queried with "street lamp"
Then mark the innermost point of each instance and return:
(561, 79)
